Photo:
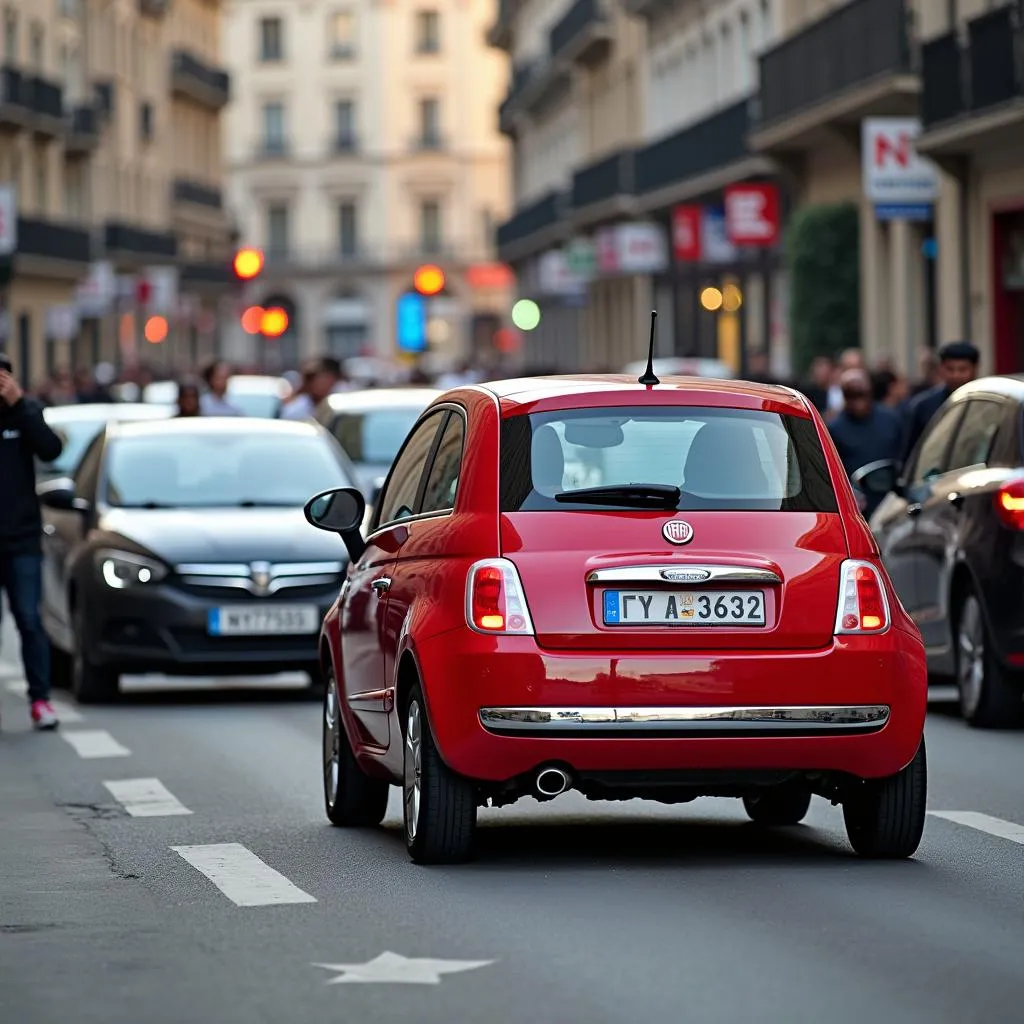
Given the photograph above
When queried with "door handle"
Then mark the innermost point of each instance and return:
(49, 529)
(956, 499)
(915, 509)
(381, 585)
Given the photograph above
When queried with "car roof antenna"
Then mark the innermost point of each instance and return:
(649, 379)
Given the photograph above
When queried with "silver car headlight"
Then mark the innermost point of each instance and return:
(122, 569)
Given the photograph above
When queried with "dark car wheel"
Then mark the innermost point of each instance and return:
(439, 806)
(989, 696)
(781, 805)
(351, 797)
(90, 683)
(60, 668)
(885, 817)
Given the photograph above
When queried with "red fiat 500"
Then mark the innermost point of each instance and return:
(587, 583)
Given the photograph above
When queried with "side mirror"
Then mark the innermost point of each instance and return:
(878, 478)
(339, 511)
(60, 495)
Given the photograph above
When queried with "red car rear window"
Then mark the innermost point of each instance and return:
(720, 459)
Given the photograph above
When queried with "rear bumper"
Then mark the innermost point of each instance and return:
(501, 707)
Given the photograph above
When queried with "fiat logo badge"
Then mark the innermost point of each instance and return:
(677, 531)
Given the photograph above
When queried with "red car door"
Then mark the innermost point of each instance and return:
(369, 581)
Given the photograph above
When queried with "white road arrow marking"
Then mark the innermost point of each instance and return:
(146, 798)
(91, 744)
(393, 969)
(242, 876)
(984, 823)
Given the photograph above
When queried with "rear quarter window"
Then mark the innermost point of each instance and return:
(721, 459)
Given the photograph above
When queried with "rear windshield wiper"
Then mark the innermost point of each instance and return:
(638, 495)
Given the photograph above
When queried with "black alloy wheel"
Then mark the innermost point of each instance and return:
(990, 696)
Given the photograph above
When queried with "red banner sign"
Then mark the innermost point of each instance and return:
(686, 227)
(752, 214)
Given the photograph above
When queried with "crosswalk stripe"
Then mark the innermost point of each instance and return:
(146, 798)
(984, 823)
(65, 712)
(241, 875)
(92, 744)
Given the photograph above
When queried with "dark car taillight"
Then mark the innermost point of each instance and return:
(1009, 502)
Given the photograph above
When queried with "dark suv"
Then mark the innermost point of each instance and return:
(951, 530)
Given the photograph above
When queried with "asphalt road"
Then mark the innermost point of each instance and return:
(574, 912)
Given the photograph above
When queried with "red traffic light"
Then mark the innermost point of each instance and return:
(251, 319)
(428, 279)
(274, 322)
(248, 263)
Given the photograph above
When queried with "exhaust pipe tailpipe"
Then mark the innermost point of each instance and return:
(551, 781)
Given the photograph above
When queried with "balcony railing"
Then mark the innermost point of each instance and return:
(545, 213)
(38, 237)
(613, 176)
(973, 79)
(47, 98)
(83, 129)
(859, 42)
(192, 78)
(120, 237)
(583, 33)
(186, 191)
(715, 142)
(520, 79)
(15, 97)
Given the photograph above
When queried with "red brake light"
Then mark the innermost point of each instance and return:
(863, 606)
(1009, 502)
(495, 602)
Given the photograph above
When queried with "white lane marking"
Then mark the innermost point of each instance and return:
(984, 823)
(241, 875)
(92, 744)
(394, 969)
(146, 798)
(65, 712)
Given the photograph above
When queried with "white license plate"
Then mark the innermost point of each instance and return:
(683, 607)
(263, 620)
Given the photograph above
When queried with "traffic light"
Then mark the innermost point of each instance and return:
(428, 280)
(274, 322)
(248, 264)
(252, 318)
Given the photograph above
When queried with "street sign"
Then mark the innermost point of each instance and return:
(752, 214)
(8, 220)
(412, 322)
(686, 222)
(895, 174)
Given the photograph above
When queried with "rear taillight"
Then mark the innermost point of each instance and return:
(863, 606)
(495, 602)
(1009, 502)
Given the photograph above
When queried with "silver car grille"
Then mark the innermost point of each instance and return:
(260, 578)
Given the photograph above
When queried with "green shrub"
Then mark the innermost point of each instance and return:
(823, 258)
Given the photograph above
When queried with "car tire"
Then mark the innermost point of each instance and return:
(351, 797)
(885, 817)
(90, 683)
(780, 805)
(60, 668)
(439, 806)
(990, 697)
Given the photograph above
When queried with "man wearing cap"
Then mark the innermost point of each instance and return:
(958, 365)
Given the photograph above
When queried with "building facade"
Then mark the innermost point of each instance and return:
(361, 146)
(906, 112)
(110, 158)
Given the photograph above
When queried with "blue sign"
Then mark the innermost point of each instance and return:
(930, 248)
(904, 211)
(412, 322)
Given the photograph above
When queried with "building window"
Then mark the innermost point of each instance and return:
(487, 228)
(273, 128)
(726, 57)
(764, 34)
(11, 36)
(271, 39)
(277, 230)
(146, 121)
(42, 182)
(745, 69)
(430, 123)
(344, 126)
(341, 33)
(348, 229)
(428, 32)
(37, 44)
(430, 227)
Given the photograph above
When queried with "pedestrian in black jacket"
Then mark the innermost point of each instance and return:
(25, 437)
(958, 365)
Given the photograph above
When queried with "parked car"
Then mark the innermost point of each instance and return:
(254, 394)
(180, 547)
(371, 426)
(951, 531)
(689, 625)
(77, 425)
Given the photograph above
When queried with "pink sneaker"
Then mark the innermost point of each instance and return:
(43, 715)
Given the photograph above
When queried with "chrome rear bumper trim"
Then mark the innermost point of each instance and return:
(543, 721)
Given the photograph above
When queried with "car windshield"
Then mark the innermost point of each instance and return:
(257, 404)
(77, 435)
(374, 436)
(719, 459)
(227, 470)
